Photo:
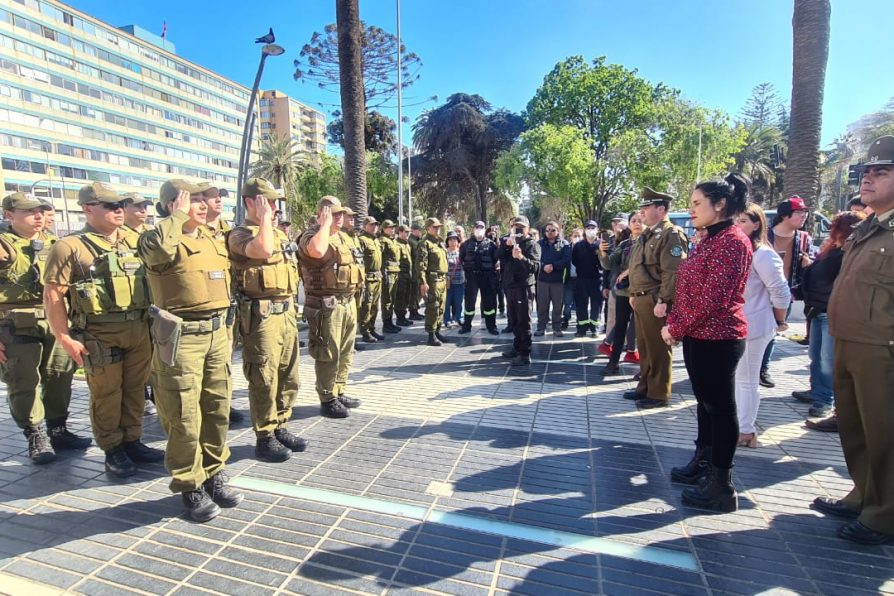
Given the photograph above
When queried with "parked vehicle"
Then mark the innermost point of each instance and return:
(819, 229)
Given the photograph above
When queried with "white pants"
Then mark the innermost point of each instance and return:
(748, 381)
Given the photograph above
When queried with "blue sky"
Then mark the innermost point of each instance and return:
(714, 51)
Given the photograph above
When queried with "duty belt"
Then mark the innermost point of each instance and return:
(117, 317)
(317, 301)
(277, 308)
(7, 312)
(201, 326)
(436, 275)
(373, 275)
(643, 293)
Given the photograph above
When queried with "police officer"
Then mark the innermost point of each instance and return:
(861, 319)
(406, 289)
(136, 212)
(478, 257)
(519, 256)
(332, 276)
(390, 273)
(189, 278)
(35, 368)
(654, 260)
(431, 271)
(104, 280)
(266, 279)
(415, 239)
(214, 199)
(372, 291)
(348, 220)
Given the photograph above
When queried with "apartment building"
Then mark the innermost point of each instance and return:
(283, 117)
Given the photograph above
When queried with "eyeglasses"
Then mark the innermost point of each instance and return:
(109, 206)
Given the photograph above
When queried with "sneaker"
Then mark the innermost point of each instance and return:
(632, 356)
(141, 453)
(292, 442)
(63, 439)
(118, 463)
(270, 450)
(766, 379)
(199, 506)
(334, 409)
(348, 402)
(803, 396)
(225, 496)
(605, 350)
(40, 449)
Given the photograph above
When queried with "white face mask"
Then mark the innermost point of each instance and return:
(591, 234)
(479, 233)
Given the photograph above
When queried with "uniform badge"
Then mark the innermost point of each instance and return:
(676, 251)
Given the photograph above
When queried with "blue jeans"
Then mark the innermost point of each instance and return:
(822, 355)
(453, 310)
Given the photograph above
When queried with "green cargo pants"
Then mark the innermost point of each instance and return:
(117, 370)
(34, 361)
(332, 323)
(369, 304)
(389, 295)
(269, 362)
(193, 401)
(435, 302)
(403, 295)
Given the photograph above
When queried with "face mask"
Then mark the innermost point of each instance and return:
(591, 234)
(479, 233)
(520, 231)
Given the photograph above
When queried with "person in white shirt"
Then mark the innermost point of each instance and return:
(767, 297)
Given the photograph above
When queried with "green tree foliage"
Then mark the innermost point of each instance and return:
(379, 133)
(763, 109)
(753, 159)
(280, 161)
(323, 178)
(381, 186)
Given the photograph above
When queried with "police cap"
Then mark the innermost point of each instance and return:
(433, 222)
(333, 203)
(98, 192)
(653, 197)
(23, 201)
(259, 186)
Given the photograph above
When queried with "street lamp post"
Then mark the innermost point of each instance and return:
(268, 50)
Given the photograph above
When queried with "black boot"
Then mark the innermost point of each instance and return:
(368, 338)
(376, 334)
(466, 327)
(348, 402)
(334, 409)
(290, 441)
(520, 360)
(118, 463)
(698, 466)
(415, 316)
(404, 322)
(389, 327)
(40, 450)
(433, 340)
(716, 494)
(270, 450)
(509, 353)
(199, 506)
(441, 338)
(63, 439)
(141, 453)
(225, 496)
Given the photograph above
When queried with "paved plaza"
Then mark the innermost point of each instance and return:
(458, 475)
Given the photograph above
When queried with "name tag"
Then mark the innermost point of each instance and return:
(216, 275)
(130, 265)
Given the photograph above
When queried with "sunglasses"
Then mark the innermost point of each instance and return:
(110, 206)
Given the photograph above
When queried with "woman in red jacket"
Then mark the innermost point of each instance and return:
(709, 318)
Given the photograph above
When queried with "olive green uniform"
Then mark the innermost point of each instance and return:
(431, 269)
(108, 299)
(403, 295)
(415, 296)
(33, 358)
(265, 290)
(390, 273)
(357, 251)
(861, 319)
(189, 276)
(372, 291)
(331, 284)
(654, 260)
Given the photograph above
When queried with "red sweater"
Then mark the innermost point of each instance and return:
(710, 288)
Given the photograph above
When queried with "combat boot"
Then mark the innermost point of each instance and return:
(441, 338)
(389, 327)
(118, 463)
(377, 335)
(348, 402)
(509, 353)
(696, 469)
(415, 316)
(368, 338)
(334, 409)
(717, 493)
(404, 322)
(433, 340)
(520, 360)
(63, 439)
(270, 450)
(40, 449)
(466, 328)
(223, 495)
(290, 441)
(199, 506)
(141, 453)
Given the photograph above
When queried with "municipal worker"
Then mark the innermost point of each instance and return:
(431, 271)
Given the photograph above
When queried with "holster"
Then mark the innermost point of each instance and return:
(166, 329)
(98, 355)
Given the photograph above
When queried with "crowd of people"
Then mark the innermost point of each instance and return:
(136, 305)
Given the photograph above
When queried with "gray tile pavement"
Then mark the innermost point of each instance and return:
(551, 450)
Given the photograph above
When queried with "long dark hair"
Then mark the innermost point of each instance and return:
(734, 188)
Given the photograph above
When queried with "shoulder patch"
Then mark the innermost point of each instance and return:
(676, 251)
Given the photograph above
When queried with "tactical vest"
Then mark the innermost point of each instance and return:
(437, 256)
(406, 256)
(479, 255)
(276, 277)
(339, 272)
(116, 282)
(197, 280)
(372, 253)
(390, 254)
(21, 282)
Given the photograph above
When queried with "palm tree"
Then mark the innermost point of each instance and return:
(353, 103)
(810, 25)
(280, 161)
(753, 160)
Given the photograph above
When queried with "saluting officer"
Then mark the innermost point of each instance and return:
(332, 277)
(104, 280)
(390, 273)
(478, 257)
(266, 272)
(354, 243)
(406, 289)
(35, 368)
(372, 292)
(654, 260)
(431, 271)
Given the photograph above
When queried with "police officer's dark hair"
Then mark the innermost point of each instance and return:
(856, 201)
(734, 188)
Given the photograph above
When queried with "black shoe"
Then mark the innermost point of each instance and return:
(803, 396)
(834, 507)
(368, 338)
(149, 408)
(766, 379)
(236, 417)
(118, 463)
(199, 506)
(509, 353)
(404, 322)
(391, 328)
(416, 317)
(581, 332)
(334, 409)
(611, 369)
(359, 347)
(828, 425)
(302, 343)
(433, 340)
(697, 468)
(441, 338)
(223, 495)
(141, 453)
(633, 395)
(593, 333)
(40, 449)
(564, 325)
(376, 334)
(493, 331)
(63, 439)
(507, 329)
(717, 494)
(520, 360)
(857, 532)
(270, 450)
(348, 402)
(465, 329)
(540, 333)
(293, 443)
(558, 333)
(649, 403)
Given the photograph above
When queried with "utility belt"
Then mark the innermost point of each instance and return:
(113, 317)
(317, 301)
(372, 275)
(195, 327)
(269, 306)
(436, 276)
(22, 317)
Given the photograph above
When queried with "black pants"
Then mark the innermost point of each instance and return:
(588, 300)
(623, 316)
(518, 307)
(711, 365)
(484, 282)
(501, 293)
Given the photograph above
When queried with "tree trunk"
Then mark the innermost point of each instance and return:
(353, 104)
(810, 26)
(482, 202)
